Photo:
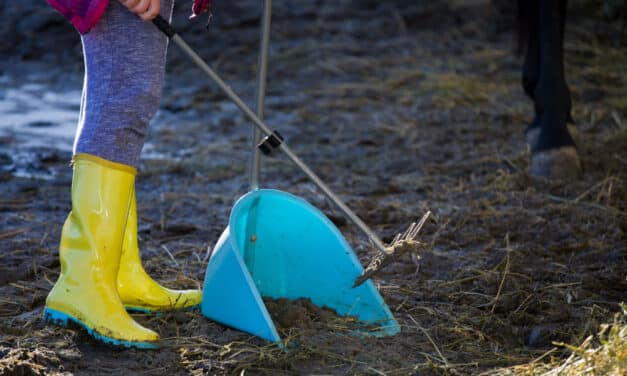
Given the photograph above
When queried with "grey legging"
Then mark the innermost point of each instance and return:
(124, 72)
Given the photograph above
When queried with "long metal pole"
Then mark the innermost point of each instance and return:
(167, 29)
(262, 72)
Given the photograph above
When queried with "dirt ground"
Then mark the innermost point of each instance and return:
(401, 107)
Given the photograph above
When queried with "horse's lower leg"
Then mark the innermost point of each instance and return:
(553, 150)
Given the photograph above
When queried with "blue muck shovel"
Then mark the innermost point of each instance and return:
(277, 245)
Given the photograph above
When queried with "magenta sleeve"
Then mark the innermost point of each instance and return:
(83, 14)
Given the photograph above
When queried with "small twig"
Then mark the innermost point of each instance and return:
(438, 232)
(606, 208)
(442, 357)
(209, 253)
(162, 211)
(43, 238)
(505, 271)
(376, 371)
(559, 285)
(619, 122)
(170, 254)
(594, 187)
(12, 233)
(509, 164)
(558, 370)
(461, 280)
(536, 360)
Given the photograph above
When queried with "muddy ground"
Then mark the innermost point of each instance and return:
(401, 107)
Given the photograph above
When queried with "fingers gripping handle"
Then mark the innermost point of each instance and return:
(164, 26)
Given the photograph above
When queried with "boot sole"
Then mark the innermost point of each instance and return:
(157, 311)
(63, 319)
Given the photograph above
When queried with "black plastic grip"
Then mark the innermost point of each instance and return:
(164, 26)
(270, 143)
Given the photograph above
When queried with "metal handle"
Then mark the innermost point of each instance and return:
(171, 33)
(164, 26)
(262, 72)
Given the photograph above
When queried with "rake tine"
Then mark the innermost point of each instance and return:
(408, 231)
(403, 243)
(418, 227)
(396, 239)
(414, 232)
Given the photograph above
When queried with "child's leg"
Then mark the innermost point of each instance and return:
(124, 62)
(124, 72)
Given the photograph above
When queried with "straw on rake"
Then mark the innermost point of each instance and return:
(403, 243)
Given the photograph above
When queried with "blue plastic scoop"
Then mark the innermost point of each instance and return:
(278, 245)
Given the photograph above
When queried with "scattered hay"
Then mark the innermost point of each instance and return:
(451, 90)
(608, 357)
(35, 362)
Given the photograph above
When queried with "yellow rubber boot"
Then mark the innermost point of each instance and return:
(91, 245)
(137, 289)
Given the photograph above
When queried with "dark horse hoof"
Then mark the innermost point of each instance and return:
(556, 164)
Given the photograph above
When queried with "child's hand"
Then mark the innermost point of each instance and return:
(146, 9)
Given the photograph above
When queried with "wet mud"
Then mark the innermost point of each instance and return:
(401, 107)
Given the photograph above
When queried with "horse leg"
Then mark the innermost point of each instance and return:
(529, 28)
(553, 152)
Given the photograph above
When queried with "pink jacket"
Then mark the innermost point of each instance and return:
(84, 14)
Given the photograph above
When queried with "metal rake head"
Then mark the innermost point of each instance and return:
(407, 238)
(402, 243)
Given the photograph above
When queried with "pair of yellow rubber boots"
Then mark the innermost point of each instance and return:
(101, 272)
